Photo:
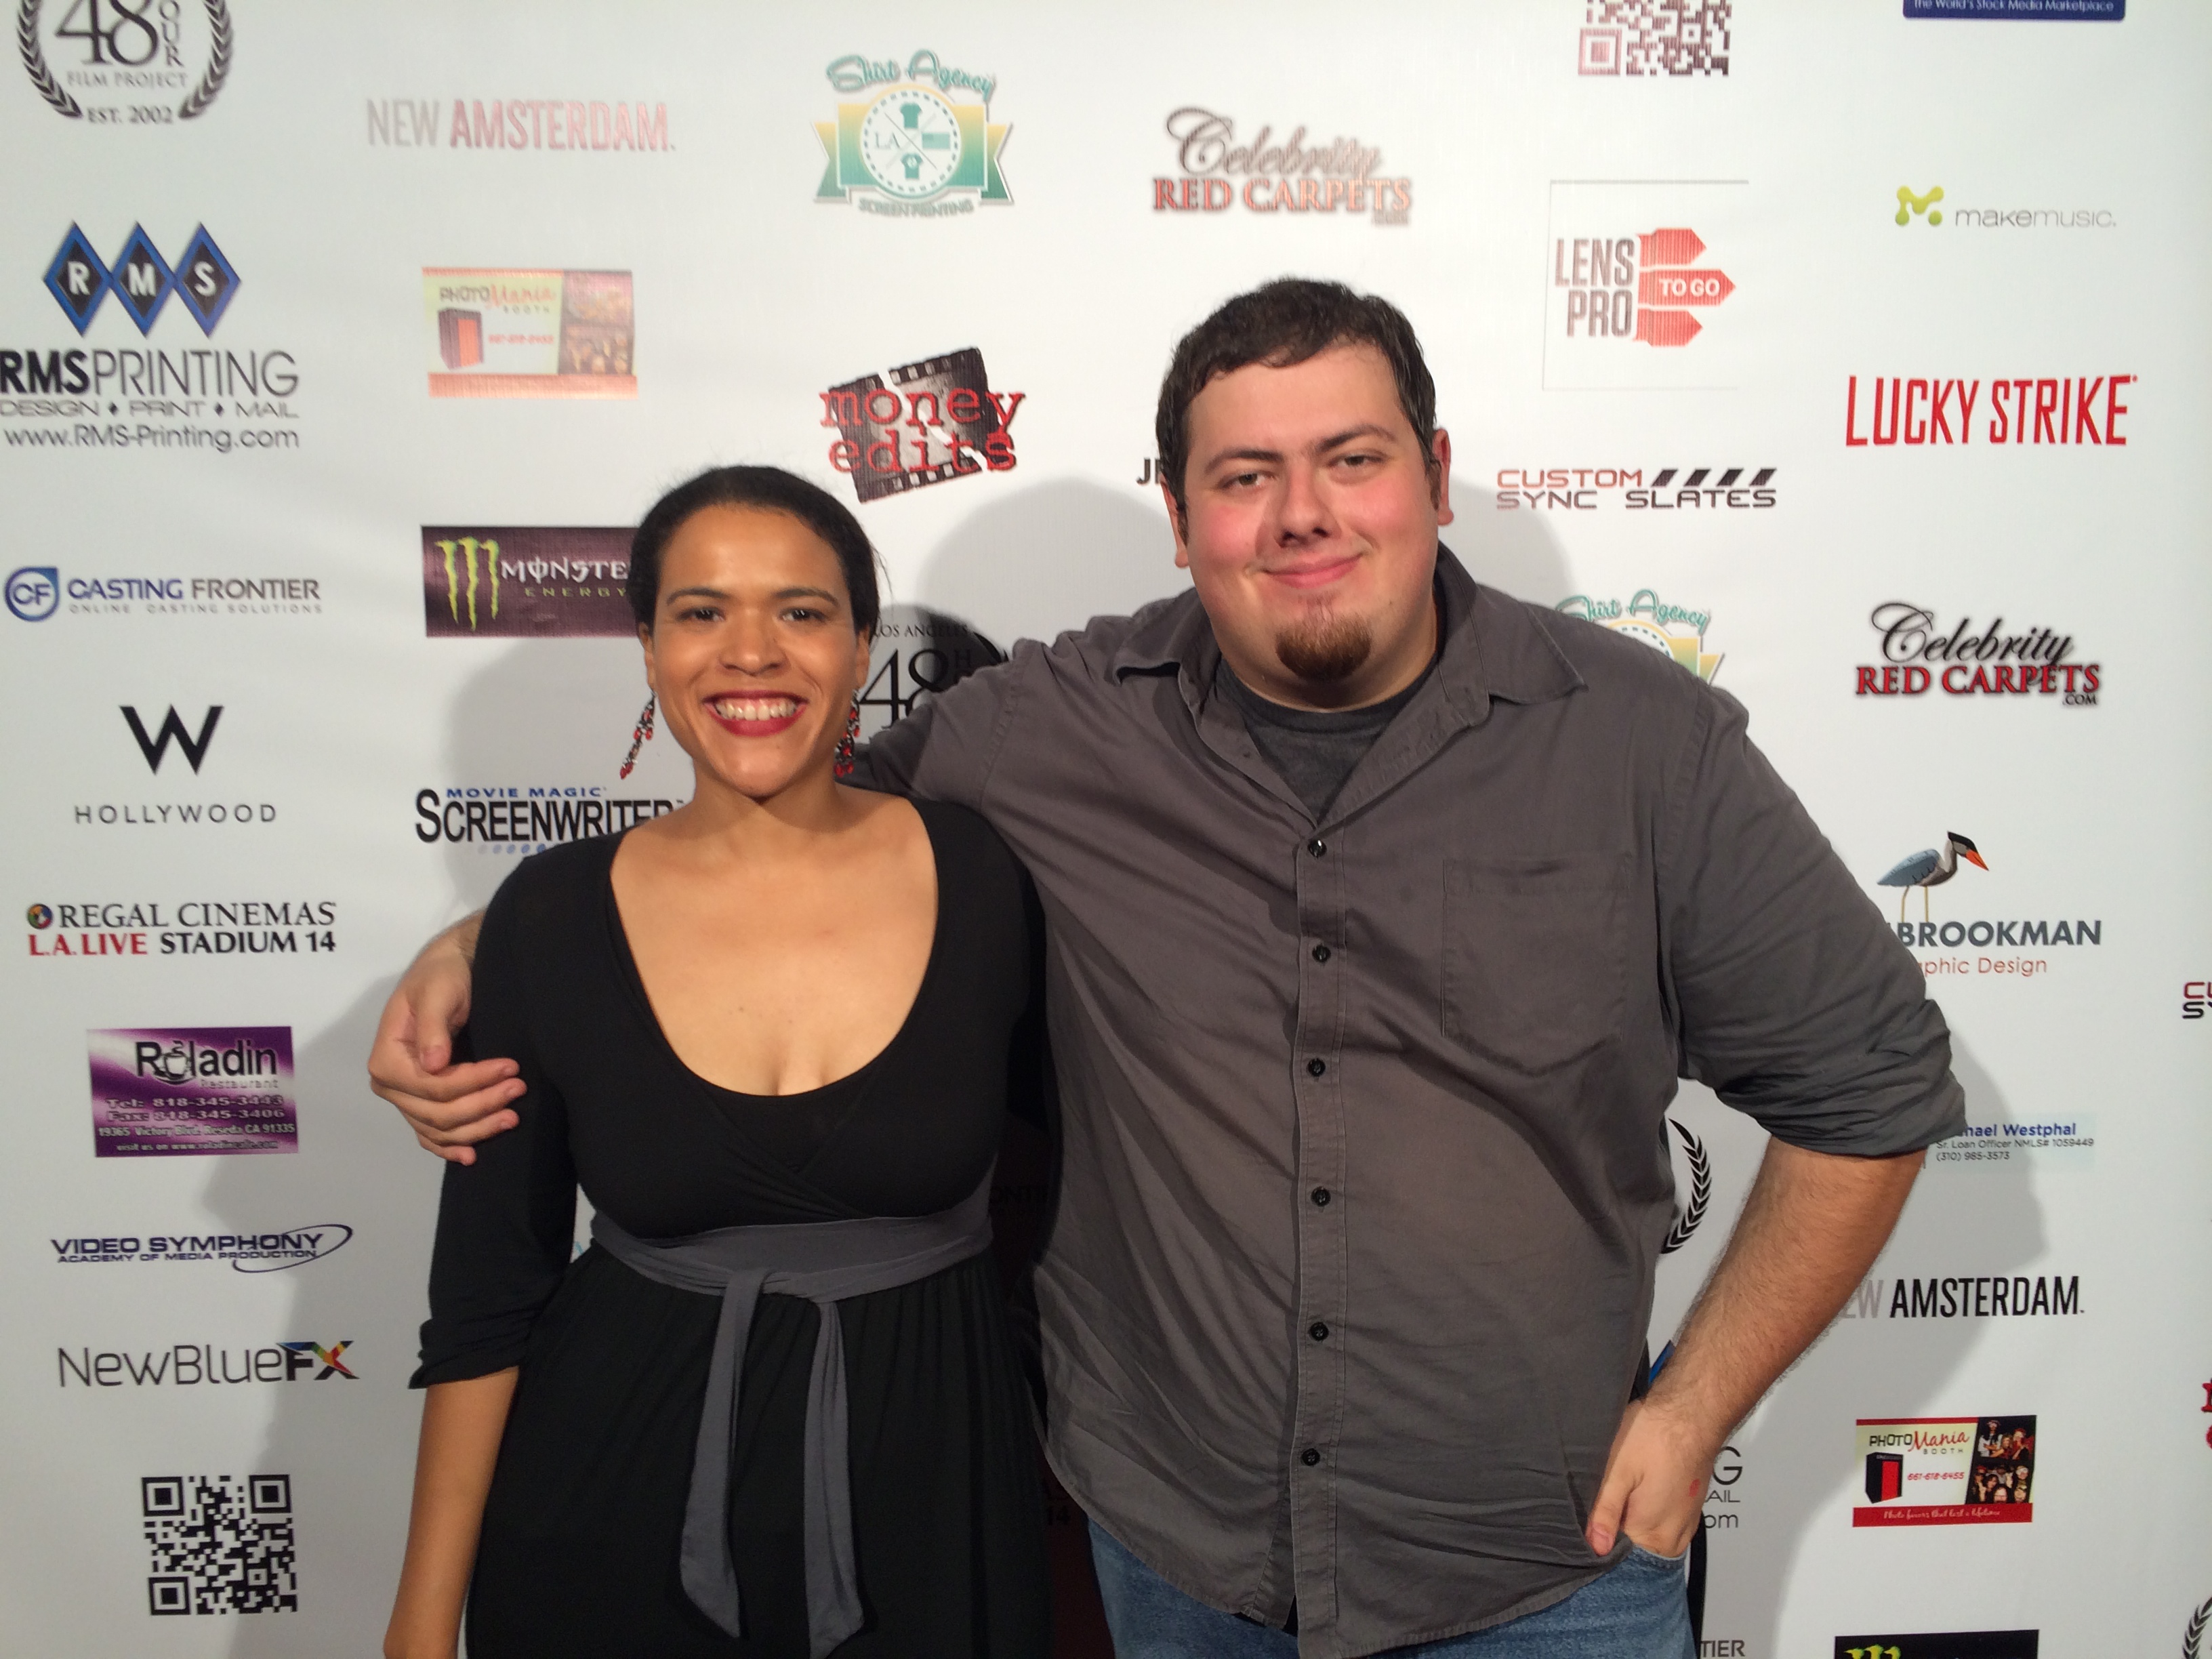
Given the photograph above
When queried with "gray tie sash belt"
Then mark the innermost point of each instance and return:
(823, 1261)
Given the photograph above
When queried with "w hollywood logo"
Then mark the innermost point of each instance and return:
(156, 747)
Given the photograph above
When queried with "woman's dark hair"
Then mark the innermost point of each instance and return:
(770, 490)
(1286, 322)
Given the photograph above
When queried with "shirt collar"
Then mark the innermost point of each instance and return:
(1494, 648)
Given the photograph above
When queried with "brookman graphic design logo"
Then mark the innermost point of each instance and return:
(1946, 1471)
(189, 1364)
(166, 1093)
(1670, 629)
(124, 64)
(530, 333)
(194, 928)
(2075, 410)
(924, 423)
(1284, 176)
(1654, 37)
(1918, 656)
(246, 1252)
(1659, 490)
(923, 148)
(1950, 1644)
(1931, 867)
(526, 583)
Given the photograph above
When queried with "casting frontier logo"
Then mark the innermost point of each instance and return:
(1908, 205)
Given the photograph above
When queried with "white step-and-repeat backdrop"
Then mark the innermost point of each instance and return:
(1853, 353)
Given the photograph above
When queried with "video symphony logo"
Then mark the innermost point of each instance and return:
(141, 52)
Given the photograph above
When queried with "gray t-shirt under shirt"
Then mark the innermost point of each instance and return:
(1314, 752)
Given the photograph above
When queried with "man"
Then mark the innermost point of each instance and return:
(1384, 913)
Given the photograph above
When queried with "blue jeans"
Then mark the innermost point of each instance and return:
(1639, 1610)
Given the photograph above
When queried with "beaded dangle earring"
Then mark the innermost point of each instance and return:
(843, 763)
(640, 734)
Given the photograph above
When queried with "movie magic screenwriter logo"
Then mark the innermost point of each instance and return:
(921, 423)
(924, 146)
(1920, 655)
(1946, 1471)
(1266, 173)
(526, 582)
(165, 1092)
(169, 394)
(125, 63)
(530, 333)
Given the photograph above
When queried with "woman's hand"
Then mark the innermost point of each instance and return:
(449, 1107)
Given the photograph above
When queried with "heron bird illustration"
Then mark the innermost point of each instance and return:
(1929, 868)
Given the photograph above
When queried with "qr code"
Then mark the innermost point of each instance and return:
(1656, 37)
(220, 1544)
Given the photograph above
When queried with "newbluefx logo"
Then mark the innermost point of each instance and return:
(189, 1364)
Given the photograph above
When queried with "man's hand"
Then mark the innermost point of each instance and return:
(449, 1107)
(1811, 1228)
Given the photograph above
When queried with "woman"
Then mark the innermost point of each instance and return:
(775, 1410)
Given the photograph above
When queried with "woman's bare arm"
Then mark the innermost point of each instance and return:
(462, 1423)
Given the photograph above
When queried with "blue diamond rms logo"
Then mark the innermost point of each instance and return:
(141, 279)
(78, 279)
(205, 281)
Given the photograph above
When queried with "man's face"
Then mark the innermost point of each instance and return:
(1311, 528)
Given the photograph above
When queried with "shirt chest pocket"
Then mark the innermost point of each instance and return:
(1533, 964)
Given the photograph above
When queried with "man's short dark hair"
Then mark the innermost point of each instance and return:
(1286, 322)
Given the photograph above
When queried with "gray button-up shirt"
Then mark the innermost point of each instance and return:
(1364, 1164)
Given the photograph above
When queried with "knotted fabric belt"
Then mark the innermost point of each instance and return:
(823, 1261)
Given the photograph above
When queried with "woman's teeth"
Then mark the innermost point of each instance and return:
(754, 709)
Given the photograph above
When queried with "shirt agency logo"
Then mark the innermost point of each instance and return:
(1992, 660)
(514, 819)
(1657, 490)
(189, 1364)
(196, 927)
(1634, 295)
(152, 62)
(169, 1092)
(1672, 37)
(519, 124)
(170, 392)
(530, 333)
(1950, 1644)
(1673, 630)
(526, 583)
(2069, 409)
(36, 592)
(1983, 1296)
(1218, 173)
(246, 1252)
(1919, 206)
(924, 148)
(923, 423)
(1946, 1471)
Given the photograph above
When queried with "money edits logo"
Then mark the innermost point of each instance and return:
(924, 148)
(521, 582)
(144, 54)
(924, 423)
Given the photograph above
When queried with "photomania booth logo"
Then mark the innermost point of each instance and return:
(530, 333)
(1946, 1471)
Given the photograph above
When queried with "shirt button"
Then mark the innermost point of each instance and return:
(1318, 1331)
(1320, 953)
(1309, 1457)
(1315, 1067)
(1317, 846)
(1321, 1196)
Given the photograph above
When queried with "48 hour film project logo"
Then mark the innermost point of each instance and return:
(125, 63)
(925, 147)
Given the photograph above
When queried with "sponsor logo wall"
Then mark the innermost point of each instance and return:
(339, 352)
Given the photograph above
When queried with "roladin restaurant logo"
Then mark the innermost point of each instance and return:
(1673, 38)
(526, 582)
(1674, 631)
(1946, 1471)
(164, 1092)
(924, 148)
(530, 333)
(922, 423)
(2080, 411)
(1950, 1644)
(1636, 291)
(152, 63)
(1268, 174)
(1919, 655)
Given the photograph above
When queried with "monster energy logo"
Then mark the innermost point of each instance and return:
(468, 547)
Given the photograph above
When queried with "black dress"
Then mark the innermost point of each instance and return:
(580, 1536)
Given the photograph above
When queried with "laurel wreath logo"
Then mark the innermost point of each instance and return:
(2195, 1632)
(35, 62)
(1701, 1189)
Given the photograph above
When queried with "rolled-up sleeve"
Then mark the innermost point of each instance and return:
(505, 1222)
(945, 749)
(1795, 1002)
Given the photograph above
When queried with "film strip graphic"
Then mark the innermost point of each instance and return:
(926, 422)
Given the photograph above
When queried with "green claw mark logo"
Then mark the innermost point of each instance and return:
(1908, 204)
(469, 546)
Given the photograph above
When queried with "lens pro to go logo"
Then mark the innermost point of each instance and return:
(1908, 204)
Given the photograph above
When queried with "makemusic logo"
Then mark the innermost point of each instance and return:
(1919, 656)
(1269, 175)
(1946, 1471)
